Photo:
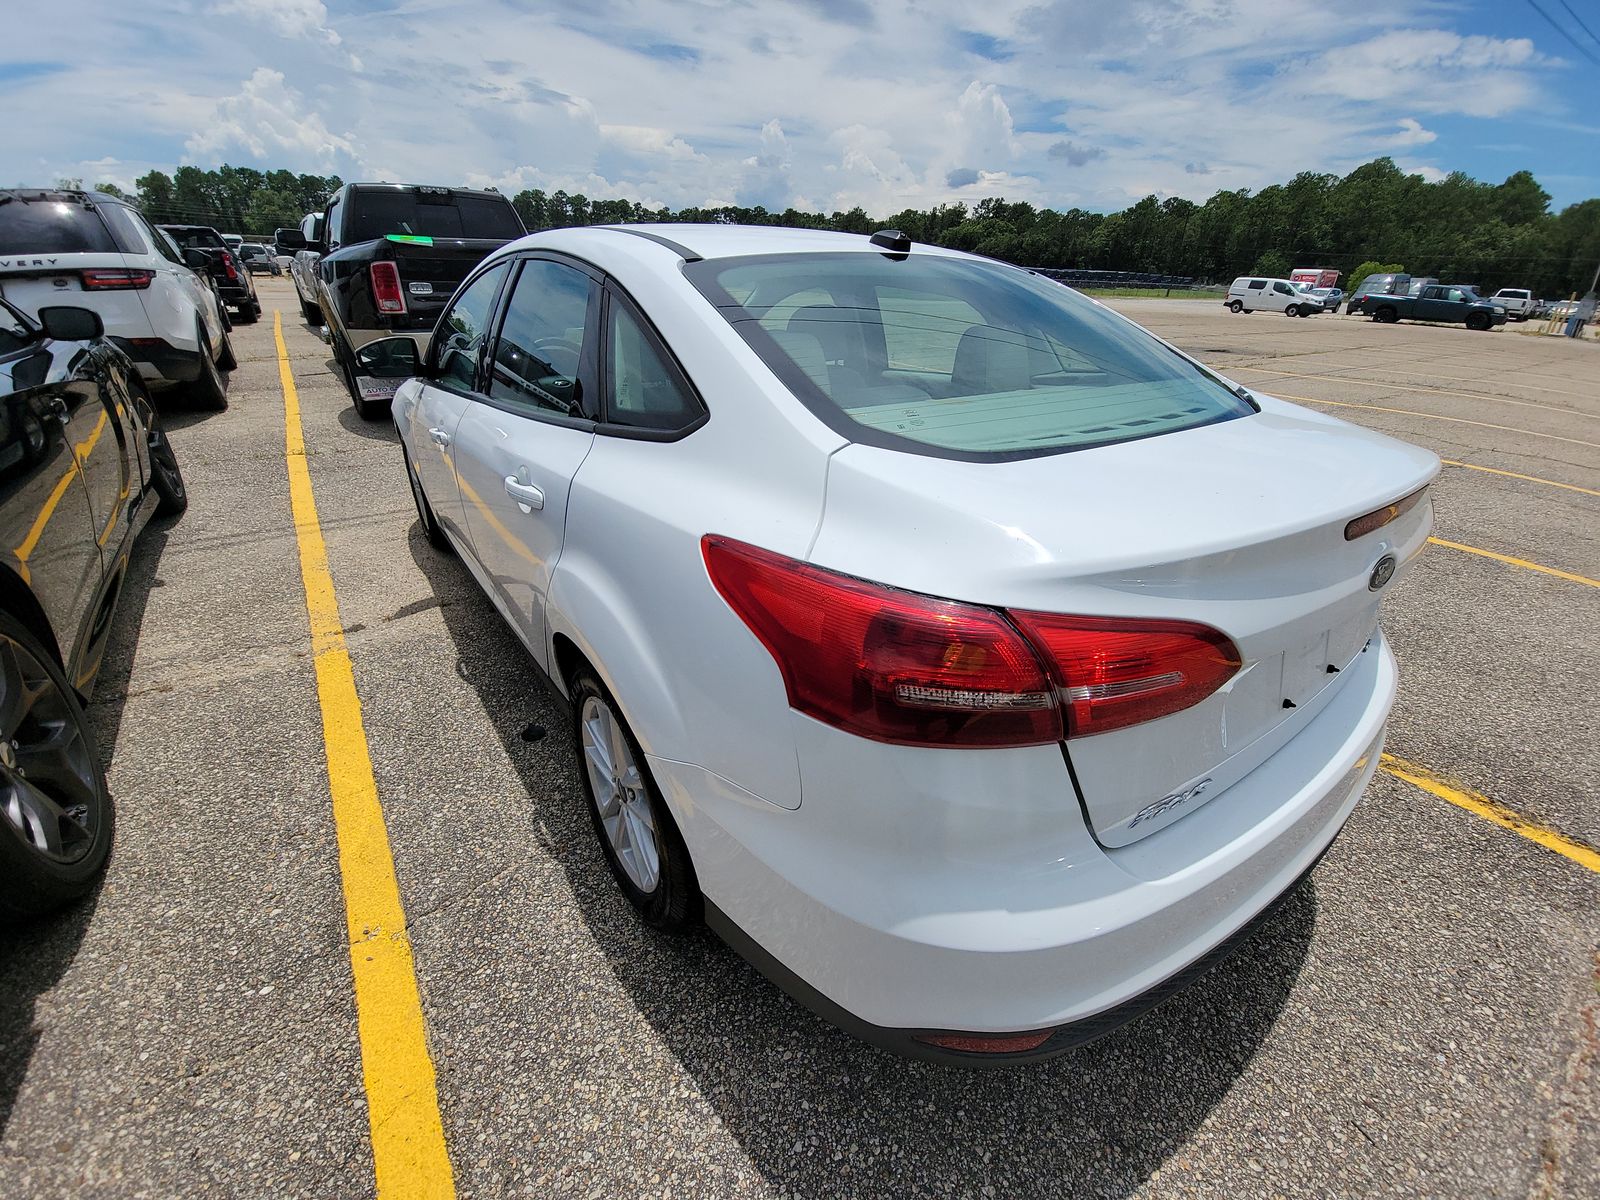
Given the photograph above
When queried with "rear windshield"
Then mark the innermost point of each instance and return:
(430, 214)
(965, 357)
(52, 227)
(196, 238)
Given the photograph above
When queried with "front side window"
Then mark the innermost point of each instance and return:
(644, 390)
(1283, 289)
(1257, 284)
(932, 353)
(538, 359)
(459, 339)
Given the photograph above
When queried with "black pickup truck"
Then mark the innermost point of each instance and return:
(391, 256)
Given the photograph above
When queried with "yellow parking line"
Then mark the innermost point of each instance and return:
(1518, 562)
(1412, 412)
(408, 1147)
(1571, 487)
(1474, 802)
(1405, 387)
(1434, 416)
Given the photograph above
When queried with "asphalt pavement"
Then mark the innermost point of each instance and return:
(1419, 1020)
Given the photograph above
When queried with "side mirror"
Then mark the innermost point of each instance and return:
(382, 366)
(289, 239)
(389, 358)
(197, 260)
(65, 324)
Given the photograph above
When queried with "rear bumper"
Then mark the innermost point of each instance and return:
(1001, 914)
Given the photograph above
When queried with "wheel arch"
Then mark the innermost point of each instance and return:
(17, 598)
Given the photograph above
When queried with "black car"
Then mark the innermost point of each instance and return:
(83, 467)
(227, 269)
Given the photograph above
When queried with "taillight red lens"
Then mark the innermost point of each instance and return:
(1114, 672)
(386, 293)
(888, 665)
(115, 279)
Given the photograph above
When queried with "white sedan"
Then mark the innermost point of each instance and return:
(973, 661)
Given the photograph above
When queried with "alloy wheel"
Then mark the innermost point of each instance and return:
(621, 796)
(48, 792)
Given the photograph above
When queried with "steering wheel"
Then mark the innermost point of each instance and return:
(559, 343)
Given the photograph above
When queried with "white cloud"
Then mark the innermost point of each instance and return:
(288, 18)
(1409, 133)
(268, 118)
(883, 104)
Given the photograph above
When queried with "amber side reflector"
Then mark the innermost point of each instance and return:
(1379, 517)
(977, 1043)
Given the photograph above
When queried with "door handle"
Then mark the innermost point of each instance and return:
(439, 436)
(524, 493)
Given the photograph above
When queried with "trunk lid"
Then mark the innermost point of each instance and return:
(1238, 525)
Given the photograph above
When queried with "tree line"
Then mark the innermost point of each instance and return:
(1458, 228)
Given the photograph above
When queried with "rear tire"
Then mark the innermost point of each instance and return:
(250, 313)
(1235, 306)
(312, 314)
(227, 360)
(431, 528)
(208, 390)
(636, 831)
(165, 477)
(57, 820)
(1386, 316)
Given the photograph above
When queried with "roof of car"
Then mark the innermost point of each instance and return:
(735, 241)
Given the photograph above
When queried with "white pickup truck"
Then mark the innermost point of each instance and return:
(1519, 303)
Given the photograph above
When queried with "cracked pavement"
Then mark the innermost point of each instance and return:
(1420, 1020)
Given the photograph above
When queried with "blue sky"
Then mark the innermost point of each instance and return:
(820, 104)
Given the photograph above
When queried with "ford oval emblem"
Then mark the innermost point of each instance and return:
(1382, 572)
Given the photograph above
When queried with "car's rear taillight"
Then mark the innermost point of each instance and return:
(888, 665)
(115, 279)
(1114, 672)
(386, 293)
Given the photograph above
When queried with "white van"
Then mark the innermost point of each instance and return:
(1248, 293)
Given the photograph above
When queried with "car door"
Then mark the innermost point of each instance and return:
(519, 445)
(1282, 296)
(454, 360)
(97, 432)
(47, 530)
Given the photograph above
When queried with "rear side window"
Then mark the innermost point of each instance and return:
(425, 213)
(644, 390)
(196, 238)
(52, 227)
(936, 354)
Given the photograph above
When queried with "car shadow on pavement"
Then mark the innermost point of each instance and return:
(378, 431)
(35, 955)
(820, 1113)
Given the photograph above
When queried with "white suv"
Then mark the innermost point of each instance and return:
(95, 251)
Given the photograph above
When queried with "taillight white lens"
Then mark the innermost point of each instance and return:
(889, 665)
(1114, 672)
(115, 279)
(386, 293)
